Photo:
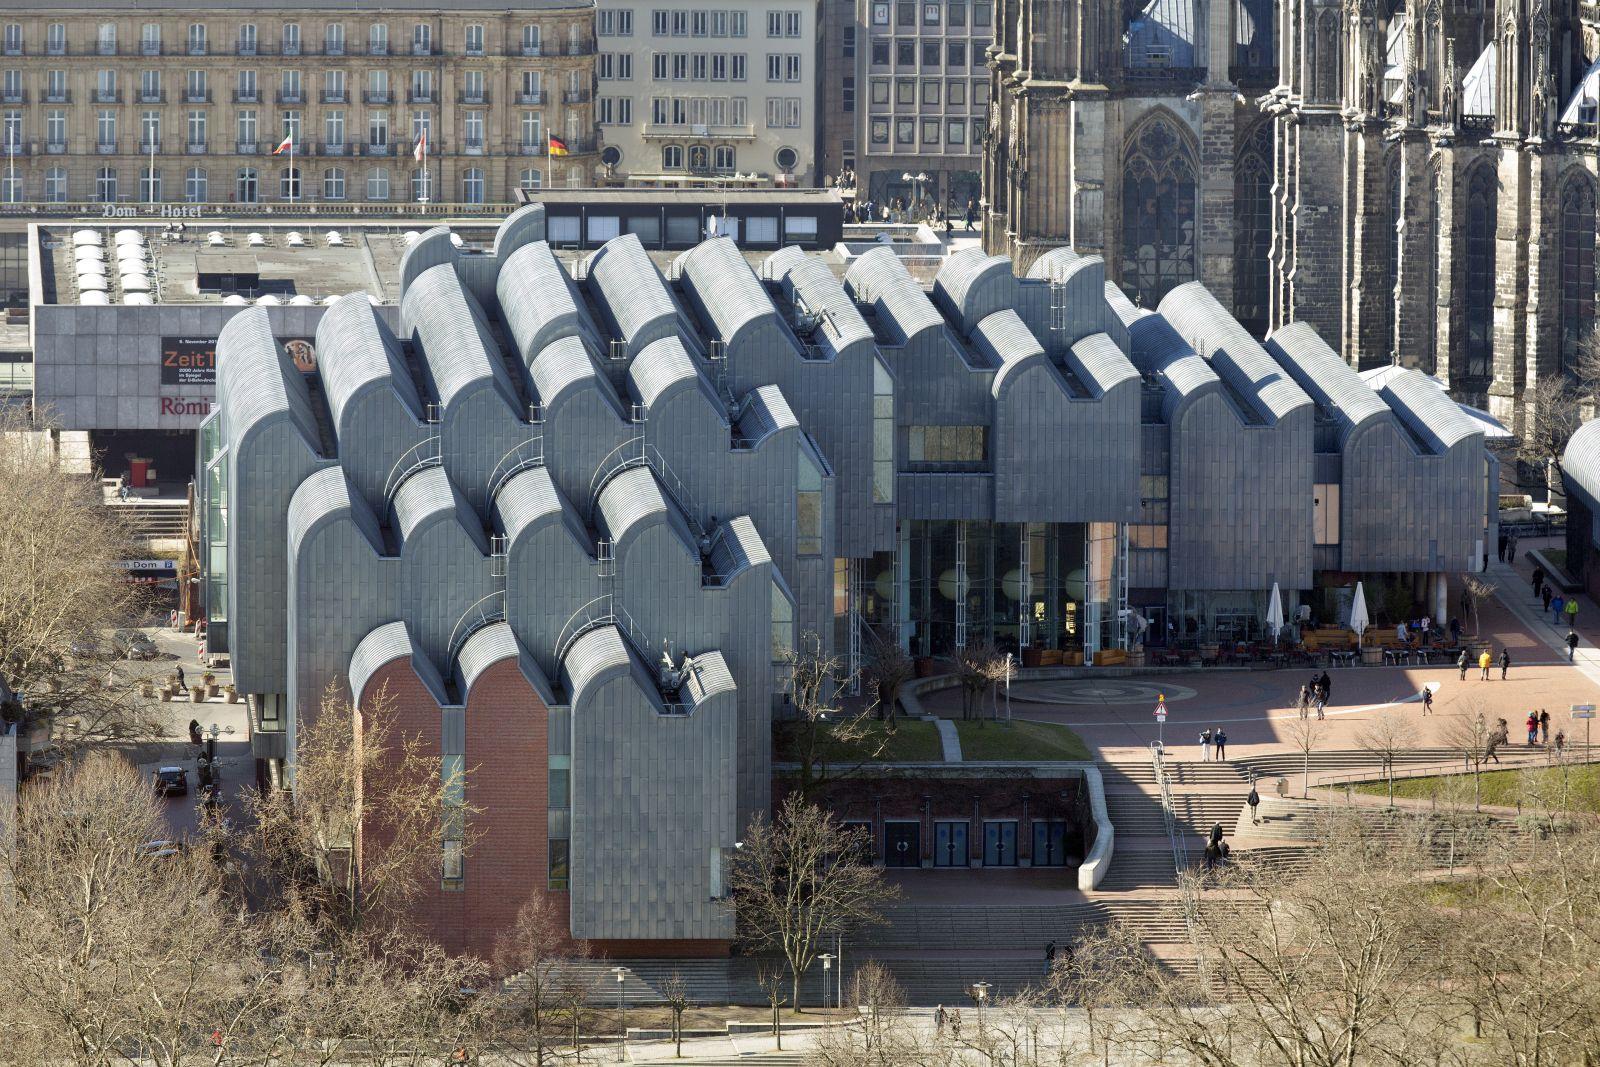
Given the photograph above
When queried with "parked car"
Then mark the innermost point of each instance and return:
(134, 644)
(172, 782)
(160, 850)
(86, 648)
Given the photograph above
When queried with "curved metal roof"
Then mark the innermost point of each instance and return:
(965, 285)
(1429, 411)
(879, 278)
(356, 351)
(1330, 380)
(377, 649)
(428, 496)
(497, 643)
(562, 364)
(1008, 342)
(460, 352)
(1100, 364)
(631, 289)
(1057, 263)
(736, 547)
(729, 293)
(1580, 463)
(325, 496)
(593, 658)
(820, 290)
(257, 382)
(631, 499)
(707, 678)
(1237, 356)
(766, 411)
(531, 499)
(520, 228)
(538, 300)
(664, 366)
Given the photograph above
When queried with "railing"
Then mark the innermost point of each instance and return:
(197, 96)
(491, 608)
(574, 96)
(427, 452)
(1545, 757)
(1180, 853)
(335, 96)
(599, 612)
(532, 99)
(474, 98)
(374, 97)
(697, 129)
(524, 455)
(152, 96)
(247, 96)
(129, 206)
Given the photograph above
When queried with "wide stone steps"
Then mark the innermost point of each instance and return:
(1141, 774)
(1140, 869)
(1140, 813)
(151, 520)
(1288, 764)
(988, 927)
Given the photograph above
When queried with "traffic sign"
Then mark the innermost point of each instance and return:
(1583, 707)
(1583, 715)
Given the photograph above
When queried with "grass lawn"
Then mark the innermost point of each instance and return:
(913, 741)
(1575, 789)
(1019, 740)
(1555, 556)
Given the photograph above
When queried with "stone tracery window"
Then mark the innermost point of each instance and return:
(1252, 241)
(1483, 193)
(1158, 212)
(1576, 266)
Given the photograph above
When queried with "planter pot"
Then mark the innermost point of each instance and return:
(1136, 657)
(231, 695)
(196, 695)
(1050, 657)
(923, 666)
(213, 690)
(1072, 659)
(1209, 650)
(147, 689)
(1033, 657)
(166, 692)
(1372, 656)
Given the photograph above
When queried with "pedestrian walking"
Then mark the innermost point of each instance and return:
(1533, 728)
(1572, 644)
(1324, 691)
(1462, 662)
(1500, 547)
(1538, 579)
(1483, 665)
(1254, 801)
(183, 685)
(1545, 593)
(1455, 631)
(938, 1021)
(1544, 726)
(1505, 662)
(1427, 701)
(1571, 610)
(1305, 700)
(1561, 742)
(194, 732)
(1556, 607)
(1049, 956)
(972, 215)
(1205, 746)
(1511, 548)
(954, 1022)
(1221, 740)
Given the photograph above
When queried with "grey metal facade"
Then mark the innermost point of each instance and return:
(600, 468)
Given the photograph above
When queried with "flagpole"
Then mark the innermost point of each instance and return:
(294, 179)
(152, 170)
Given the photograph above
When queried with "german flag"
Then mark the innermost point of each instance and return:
(558, 147)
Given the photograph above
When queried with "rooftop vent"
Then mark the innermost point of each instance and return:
(268, 301)
(411, 236)
(87, 237)
(137, 299)
(334, 238)
(215, 238)
(255, 240)
(130, 237)
(96, 297)
(234, 300)
(301, 300)
(294, 239)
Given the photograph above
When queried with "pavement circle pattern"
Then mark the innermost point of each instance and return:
(1100, 691)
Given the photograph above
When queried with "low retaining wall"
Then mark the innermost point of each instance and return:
(1095, 865)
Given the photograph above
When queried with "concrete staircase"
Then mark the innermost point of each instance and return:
(151, 520)
(1334, 761)
(1016, 927)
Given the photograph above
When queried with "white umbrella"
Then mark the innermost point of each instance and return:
(1359, 619)
(1275, 613)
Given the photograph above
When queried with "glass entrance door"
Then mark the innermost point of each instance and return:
(950, 844)
(1000, 844)
(902, 844)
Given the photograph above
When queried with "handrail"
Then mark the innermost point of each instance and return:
(1575, 753)
(518, 462)
(1180, 850)
(483, 617)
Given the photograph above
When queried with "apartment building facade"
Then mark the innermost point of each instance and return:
(907, 97)
(166, 102)
(694, 96)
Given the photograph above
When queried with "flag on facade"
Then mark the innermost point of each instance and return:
(422, 147)
(284, 146)
(558, 147)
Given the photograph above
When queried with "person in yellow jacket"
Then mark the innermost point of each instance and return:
(1483, 665)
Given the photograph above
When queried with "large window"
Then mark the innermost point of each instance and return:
(246, 189)
(808, 508)
(196, 185)
(453, 784)
(1483, 194)
(882, 434)
(1576, 268)
(782, 626)
(472, 186)
(333, 184)
(378, 184)
(105, 185)
(1158, 212)
(1252, 205)
(948, 446)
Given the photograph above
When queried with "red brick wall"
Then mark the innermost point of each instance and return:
(507, 759)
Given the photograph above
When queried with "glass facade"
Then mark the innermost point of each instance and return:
(1012, 585)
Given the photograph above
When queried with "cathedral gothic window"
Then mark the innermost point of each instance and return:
(1252, 233)
(1483, 193)
(1576, 266)
(1158, 212)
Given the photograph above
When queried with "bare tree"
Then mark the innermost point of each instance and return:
(60, 592)
(888, 669)
(1305, 735)
(827, 742)
(976, 668)
(1385, 738)
(879, 997)
(1555, 412)
(1474, 593)
(537, 960)
(362, 833)
(772, 981)
(675, 993)
(1104, 967)
(798, 880)
(1471, 735)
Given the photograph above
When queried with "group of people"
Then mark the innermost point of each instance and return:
(898, 210)
(1562, 609)
(1538, 727)
(1314, 694)
(1507, 549)
(1485, 660)
(1216, 736)
(1217, 849)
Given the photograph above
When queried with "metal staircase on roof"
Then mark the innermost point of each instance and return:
(428, 452)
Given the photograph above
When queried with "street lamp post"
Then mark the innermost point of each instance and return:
(827, 978)
(622, 1024)
(980, 990)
